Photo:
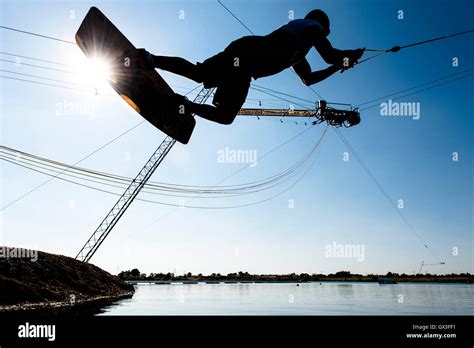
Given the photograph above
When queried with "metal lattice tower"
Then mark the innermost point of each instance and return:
(132, 191)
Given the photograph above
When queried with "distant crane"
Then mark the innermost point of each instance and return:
(322, 113)
(423, 264)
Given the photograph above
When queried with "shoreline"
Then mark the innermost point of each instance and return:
(83, 307)
(372, 279)
(136, 282)
(341, 276)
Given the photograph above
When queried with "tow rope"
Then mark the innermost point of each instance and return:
(398, 48)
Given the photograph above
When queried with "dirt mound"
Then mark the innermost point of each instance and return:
(37, 279)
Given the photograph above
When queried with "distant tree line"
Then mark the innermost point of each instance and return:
(135, 274)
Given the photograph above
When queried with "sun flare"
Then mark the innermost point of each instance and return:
(93, 72)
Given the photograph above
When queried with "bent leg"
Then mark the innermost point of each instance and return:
(228, 100)
(178, 66)
(208, 112)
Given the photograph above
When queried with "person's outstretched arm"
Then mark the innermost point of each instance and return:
(303, 69)
(332, 55)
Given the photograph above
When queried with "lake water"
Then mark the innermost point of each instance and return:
(315, 298)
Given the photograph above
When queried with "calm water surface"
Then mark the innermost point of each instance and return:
(325, 298)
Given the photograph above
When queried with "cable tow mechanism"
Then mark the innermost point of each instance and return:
(336, 117)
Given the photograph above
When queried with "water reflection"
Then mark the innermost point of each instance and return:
(318, 298)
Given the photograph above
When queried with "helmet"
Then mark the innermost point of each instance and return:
(322, 18)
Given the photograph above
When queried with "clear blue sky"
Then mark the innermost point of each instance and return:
(335, 202)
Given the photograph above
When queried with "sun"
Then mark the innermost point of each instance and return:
(92, 72)
(98, 71)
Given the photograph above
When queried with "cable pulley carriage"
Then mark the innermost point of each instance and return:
(336, 117)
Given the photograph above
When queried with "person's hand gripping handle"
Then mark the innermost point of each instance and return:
(352, 57)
